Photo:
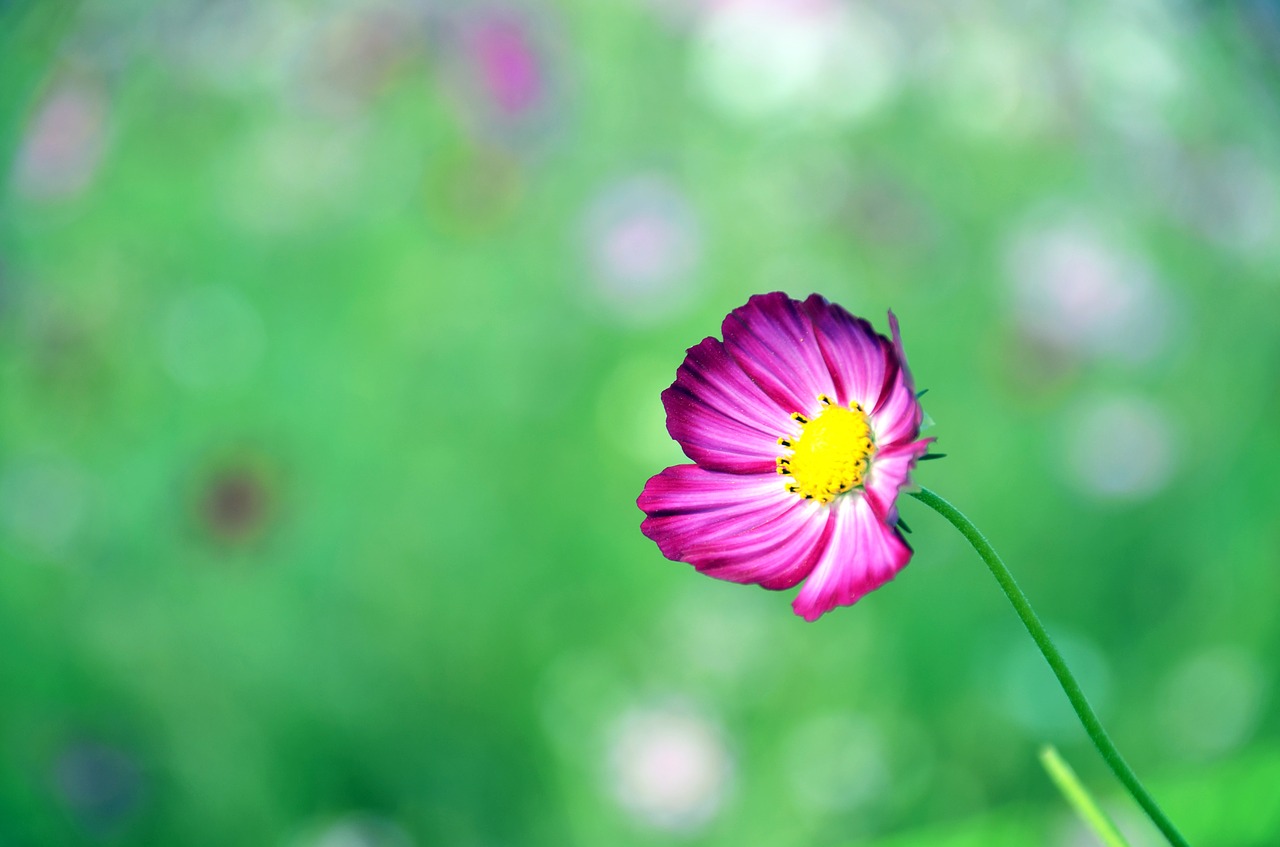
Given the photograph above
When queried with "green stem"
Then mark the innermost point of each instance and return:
(1079, 702)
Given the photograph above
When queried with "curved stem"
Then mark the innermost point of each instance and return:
(1079, 702)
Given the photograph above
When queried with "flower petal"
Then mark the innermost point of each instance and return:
(720, 418)
(889, 471)
(861, 362)
(773, 340)
(861, 555)
(737, 527)
(900, 353)
(896, 415)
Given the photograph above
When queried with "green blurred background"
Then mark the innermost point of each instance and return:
(331, 339)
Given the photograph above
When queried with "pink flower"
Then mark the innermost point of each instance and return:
(803, 424)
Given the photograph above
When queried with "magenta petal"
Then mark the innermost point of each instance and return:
(861, 555)
(900, 353)
(774, 342)
(741, 528)
(896, 416)
(776, 555)
(889, 472)
(720, 418)
(860, 361)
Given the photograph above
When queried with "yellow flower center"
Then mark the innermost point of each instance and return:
(831, 453)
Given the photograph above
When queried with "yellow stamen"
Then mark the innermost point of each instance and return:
(830, 455)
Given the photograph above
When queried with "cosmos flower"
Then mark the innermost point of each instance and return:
(803, 425)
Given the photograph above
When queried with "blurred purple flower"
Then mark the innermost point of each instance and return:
(1075, 292)
(500, 64)
(63, 143)
(508, 64)
(643, 241)
(669, 766)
